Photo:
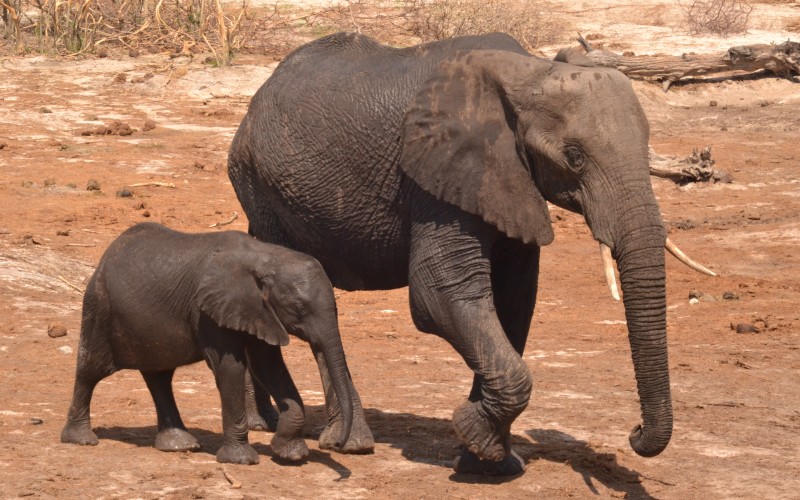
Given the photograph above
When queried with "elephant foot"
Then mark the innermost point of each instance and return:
(289, 450)
(243, 454)
(361, 441)
(78, 434)
(478, 433)
(469, 463)
(175, 439)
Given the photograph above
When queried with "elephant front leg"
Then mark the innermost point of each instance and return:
(451, 295)
(270, 372)
(172, 434)
(225, 355)
(361, 440)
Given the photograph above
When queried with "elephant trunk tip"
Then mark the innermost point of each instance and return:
(648, 444)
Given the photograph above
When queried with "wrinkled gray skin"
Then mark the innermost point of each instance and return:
(160, 299)
(429, 167)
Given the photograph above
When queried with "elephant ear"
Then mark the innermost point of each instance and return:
(231, 294)
(460, 144)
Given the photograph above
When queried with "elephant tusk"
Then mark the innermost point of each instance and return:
(678, 253)
(608, 267)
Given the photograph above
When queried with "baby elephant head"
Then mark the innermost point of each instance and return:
(233, 293)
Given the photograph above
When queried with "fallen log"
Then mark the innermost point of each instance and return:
(782, 59)
(697, 167)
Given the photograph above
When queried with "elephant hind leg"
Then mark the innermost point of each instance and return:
(261, 415)
(172, 434)
(94, 364)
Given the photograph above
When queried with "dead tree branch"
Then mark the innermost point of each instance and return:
(782, 59)
(697, 167)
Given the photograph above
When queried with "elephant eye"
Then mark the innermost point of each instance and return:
(575, 157)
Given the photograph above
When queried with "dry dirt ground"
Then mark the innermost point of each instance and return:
(736, 395)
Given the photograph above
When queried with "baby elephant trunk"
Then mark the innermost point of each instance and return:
(333, 352)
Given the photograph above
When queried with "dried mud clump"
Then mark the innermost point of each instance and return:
(114, 128)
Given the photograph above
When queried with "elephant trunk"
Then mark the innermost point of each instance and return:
(333, 353)
(640, 259)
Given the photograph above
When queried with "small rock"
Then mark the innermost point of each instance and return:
(133, 53)
(121, 78)
(65, 349)
(629, 53)
(693, 301)
(45, 110)
(713, 104)
(744, 328)
(62, 232)
(56, 330)
(140, 206)
(3, 145)
(148, 125)
(146, 213)
(148, 76)
(36, 421)
(49, 182)
(28, 184)
(30, 239)
(102, 53)
(730, 296)
(700, 297)
(92, 185)
(124, 193)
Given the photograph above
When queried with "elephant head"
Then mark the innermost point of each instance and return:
(241, 290)
(498, 134)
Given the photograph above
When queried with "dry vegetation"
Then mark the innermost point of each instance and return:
(717, 17)
(72, 27)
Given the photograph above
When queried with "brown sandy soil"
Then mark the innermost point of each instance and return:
(736, 396)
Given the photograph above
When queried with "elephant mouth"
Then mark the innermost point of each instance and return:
(611, 279)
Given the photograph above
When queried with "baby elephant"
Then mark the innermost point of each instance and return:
(160, 299)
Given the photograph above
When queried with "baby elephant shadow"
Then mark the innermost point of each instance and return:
(210, 442)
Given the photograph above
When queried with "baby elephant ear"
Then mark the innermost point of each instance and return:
(461, 143)
(231, 294)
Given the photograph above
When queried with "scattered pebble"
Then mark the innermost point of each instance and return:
(49, 182)
(45, 110)
(146, 214)
(124, 193)
(28, 184)
(65, 349)
(698, 296)
(30, 239)
(62, 232)
(121, 78)
(36, 421)
(92, 185)
(3, 145)
(713, 104)
(730, 296)
(133, 53)
(56, 330)
(148, 125)
(102, 53)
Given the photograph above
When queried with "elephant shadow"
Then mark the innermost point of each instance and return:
(210, 442)
(432, 441)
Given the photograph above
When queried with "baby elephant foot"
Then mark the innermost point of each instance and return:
(469, 463)
(78, 434)
(243, 454)
(289, 450)
(360, 442)
(175, 439)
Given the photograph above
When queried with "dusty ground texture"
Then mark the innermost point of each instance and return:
(736, 395)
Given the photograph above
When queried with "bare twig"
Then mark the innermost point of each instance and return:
(233, 482)
(74, 287)
(159, 184)
(225, 223)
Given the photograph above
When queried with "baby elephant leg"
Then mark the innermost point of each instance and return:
(268, 369)
(225, 354)
(261, 415)
(172, 434)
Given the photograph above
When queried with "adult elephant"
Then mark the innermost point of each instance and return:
(430, 166)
